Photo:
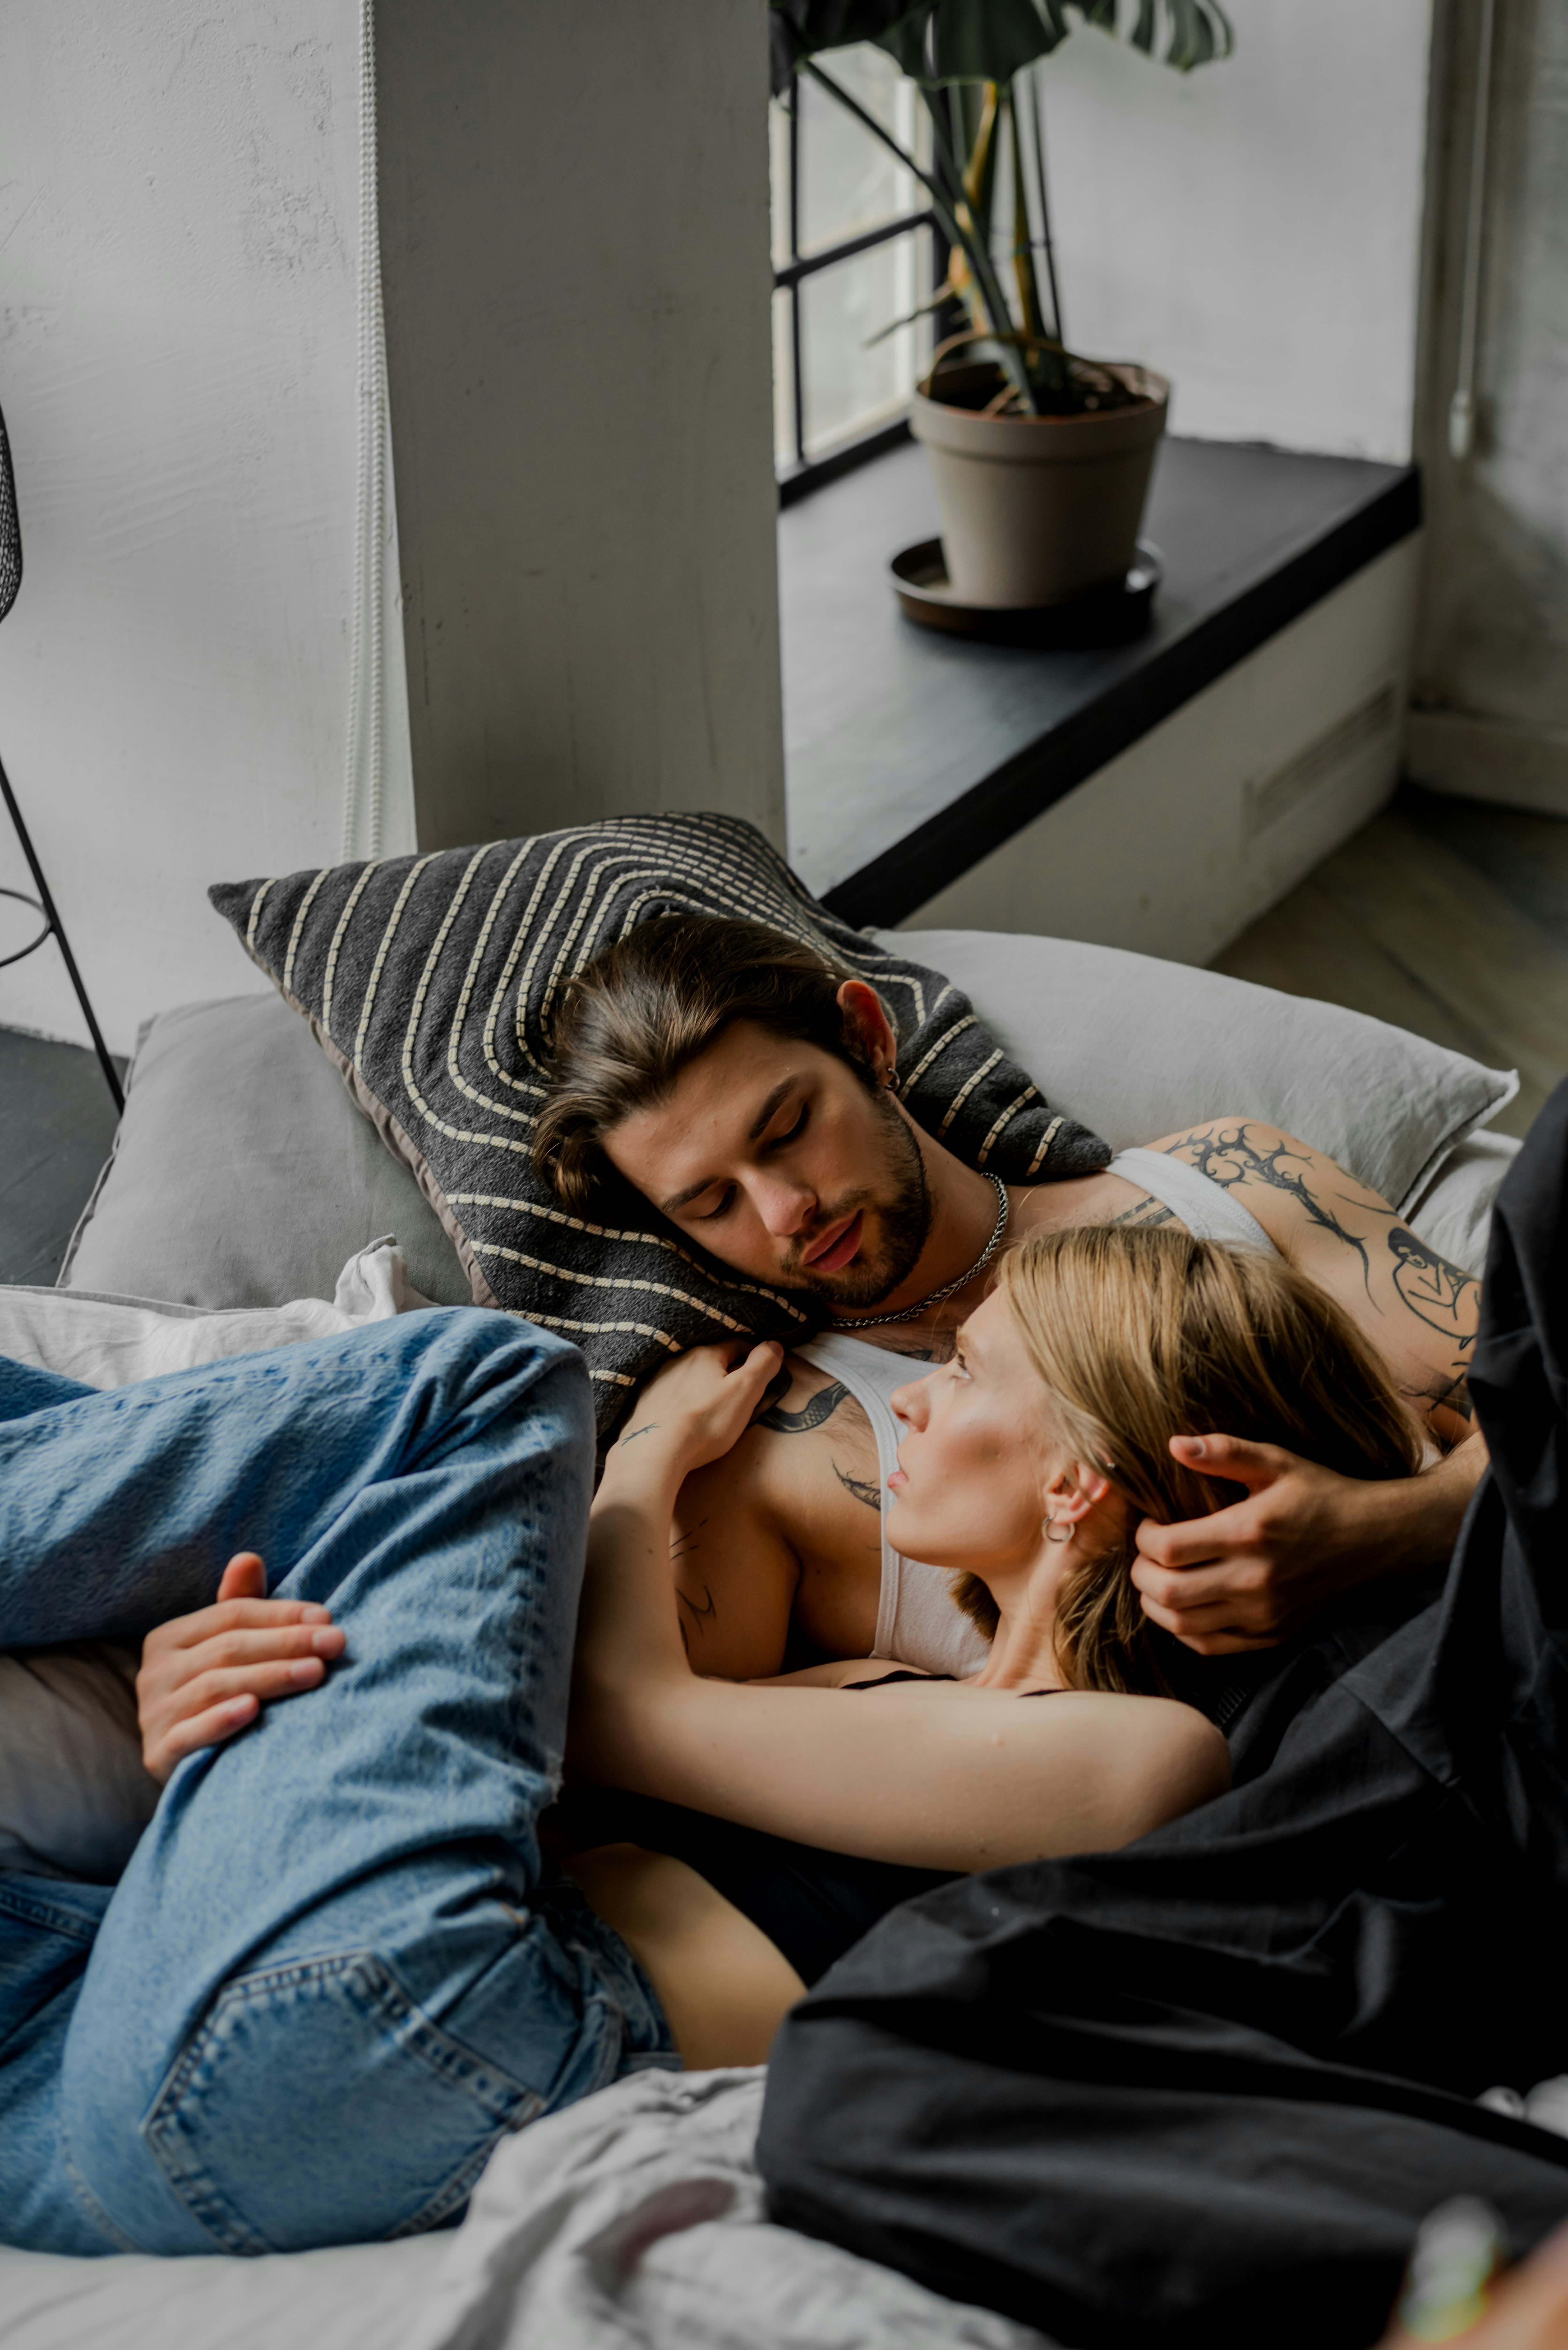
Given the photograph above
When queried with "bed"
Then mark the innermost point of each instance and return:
(247, 1201)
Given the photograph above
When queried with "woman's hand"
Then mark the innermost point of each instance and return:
(697, 1407)
(205, 1677)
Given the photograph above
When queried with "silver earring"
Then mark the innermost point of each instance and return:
(1048, 1528)
(892, 1079)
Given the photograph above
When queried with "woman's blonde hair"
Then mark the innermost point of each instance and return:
(1143, 1333)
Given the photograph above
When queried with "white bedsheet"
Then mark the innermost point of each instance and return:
(631, 2222)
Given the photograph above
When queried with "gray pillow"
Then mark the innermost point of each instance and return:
(74, 1797)
(1138, 1048)
(431, 983)
(242, 1174)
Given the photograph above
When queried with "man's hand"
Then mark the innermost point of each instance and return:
(205, 1677)
(1255, 1573)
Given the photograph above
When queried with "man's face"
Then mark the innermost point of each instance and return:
(783, 1162)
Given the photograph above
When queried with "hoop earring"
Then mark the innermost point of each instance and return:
(891, 1080)
(1048, 1528)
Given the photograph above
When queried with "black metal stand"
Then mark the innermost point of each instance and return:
(54, 928)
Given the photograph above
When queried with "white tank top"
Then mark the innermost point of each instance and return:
(917, 1620)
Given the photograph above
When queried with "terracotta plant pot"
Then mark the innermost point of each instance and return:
(1037, 509)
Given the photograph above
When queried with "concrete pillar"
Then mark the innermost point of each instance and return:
(575, 262)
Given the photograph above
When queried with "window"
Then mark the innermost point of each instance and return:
(855, 256)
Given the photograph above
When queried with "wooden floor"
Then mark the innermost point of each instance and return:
(1444, 916)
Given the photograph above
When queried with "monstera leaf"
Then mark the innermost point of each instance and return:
(941, 41)
(943, 46)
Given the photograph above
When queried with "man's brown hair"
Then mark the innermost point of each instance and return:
(646, 1008)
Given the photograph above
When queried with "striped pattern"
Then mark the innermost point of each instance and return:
(431, 982)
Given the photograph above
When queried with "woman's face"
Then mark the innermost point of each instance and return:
(978, 1456)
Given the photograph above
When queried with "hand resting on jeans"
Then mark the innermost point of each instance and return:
(205, 1677)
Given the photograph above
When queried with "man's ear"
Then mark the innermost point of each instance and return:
(866, 1026)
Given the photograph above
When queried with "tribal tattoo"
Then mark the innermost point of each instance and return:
(820, 1408)
(1231, 1158)
(861, 1487)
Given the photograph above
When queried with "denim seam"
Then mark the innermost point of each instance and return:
(33, 1911)
(458, 2189)
(94, 2209)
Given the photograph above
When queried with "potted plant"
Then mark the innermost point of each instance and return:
(1041, 457)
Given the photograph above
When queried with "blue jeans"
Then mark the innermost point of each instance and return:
(335, 1970)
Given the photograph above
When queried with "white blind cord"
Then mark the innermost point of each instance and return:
(363, 761)
(1462, 407)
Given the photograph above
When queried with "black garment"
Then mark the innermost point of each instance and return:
(1203, 2090)
(813, 1905)
(885, 1680)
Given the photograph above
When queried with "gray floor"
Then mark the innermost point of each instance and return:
(1442, 916)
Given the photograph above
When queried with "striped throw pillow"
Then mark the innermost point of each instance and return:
(429, 981)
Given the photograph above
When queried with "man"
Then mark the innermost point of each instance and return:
(750, 1095)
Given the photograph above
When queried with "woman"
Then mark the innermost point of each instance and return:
(1026, 1465)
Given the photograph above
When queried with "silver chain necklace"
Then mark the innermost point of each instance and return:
(875, 1321)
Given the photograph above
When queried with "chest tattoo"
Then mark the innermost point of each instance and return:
(1145, 1212)
(862, 1488)
(820, 1408)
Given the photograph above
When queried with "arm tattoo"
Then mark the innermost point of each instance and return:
(706, 1614)
(822, 1407)
(1231, 1158)
(1445, 1395)
(646, 1430)
(861, 1487)
(1145, 1212)
(1436, 1292)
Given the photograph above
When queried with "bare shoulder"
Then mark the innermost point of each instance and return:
(1168, 1757)
(1296, 1191)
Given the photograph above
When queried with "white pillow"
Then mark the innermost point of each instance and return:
(110, 1342)
(1137, 1048)
(1453, 1214)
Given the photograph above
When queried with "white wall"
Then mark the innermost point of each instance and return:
(1253, 229)
(177, 369)
(1178, 843)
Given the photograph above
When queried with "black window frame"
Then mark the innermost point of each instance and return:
(801, 474)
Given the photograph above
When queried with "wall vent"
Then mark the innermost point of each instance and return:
(1272, 798)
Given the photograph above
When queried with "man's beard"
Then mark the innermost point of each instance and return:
(904, 1223)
